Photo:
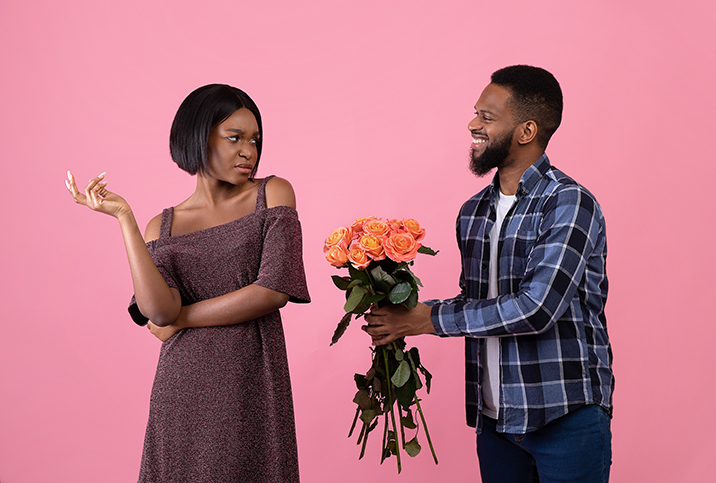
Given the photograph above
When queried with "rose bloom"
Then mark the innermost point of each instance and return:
(358, 257)
(337, 256)
(358, 224)
(340, 237)
(396, 226)
(373, 246)
(401, 247)
(414, 228)
(376, 227)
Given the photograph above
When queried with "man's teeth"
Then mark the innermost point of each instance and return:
(479, 141)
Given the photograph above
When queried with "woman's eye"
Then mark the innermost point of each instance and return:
(233, 139)
(254, 141)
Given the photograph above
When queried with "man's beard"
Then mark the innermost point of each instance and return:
(492, 157)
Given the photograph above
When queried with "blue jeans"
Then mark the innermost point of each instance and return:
(574, 448)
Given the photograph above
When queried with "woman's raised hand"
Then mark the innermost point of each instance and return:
(97, 197)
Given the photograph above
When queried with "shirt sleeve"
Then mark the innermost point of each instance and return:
(281, 266)
(570, 229)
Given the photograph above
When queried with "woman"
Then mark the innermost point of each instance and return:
(211, 277)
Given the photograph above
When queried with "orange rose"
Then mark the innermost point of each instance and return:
(341, 237)
(373, 246)
(414, 228)
(358, 224)
(401, 247)
(376, 227)
(358, 257)
(337, 256)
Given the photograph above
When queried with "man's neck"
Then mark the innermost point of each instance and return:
(511, 173)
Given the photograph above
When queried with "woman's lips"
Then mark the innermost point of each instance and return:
(244, 168)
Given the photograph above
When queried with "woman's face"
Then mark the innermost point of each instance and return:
(232, 147)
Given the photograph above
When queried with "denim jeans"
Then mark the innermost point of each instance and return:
(574, 448)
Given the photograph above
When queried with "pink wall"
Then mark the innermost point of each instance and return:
(365, 111)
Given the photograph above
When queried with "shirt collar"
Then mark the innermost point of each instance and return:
(529, 179)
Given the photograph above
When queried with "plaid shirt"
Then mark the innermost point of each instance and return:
(555, 354)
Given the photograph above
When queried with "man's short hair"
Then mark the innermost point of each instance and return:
(202, 110)
(534, 95)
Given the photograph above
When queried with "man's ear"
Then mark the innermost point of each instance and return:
(527, 132)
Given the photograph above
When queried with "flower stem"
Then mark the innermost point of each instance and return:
(425, 425)
(365, 440)
(355, 420)
(391, 402)
(385, 435)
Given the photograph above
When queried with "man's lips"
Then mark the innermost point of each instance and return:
(478, 139)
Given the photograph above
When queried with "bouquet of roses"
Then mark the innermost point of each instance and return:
(378, 255)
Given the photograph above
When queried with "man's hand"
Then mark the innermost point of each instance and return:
(395, 321)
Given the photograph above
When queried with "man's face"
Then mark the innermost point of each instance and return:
(492, 130)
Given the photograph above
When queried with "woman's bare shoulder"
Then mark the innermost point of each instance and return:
(279, 192)
(153, 228)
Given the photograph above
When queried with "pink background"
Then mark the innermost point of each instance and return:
(365, 111)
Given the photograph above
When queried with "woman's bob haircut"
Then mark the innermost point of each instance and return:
(201, 111)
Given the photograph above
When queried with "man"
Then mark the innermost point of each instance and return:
(533, 288)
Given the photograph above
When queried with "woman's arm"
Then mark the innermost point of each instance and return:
(242, 305)
(156, 300)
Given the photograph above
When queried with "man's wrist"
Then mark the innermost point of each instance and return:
(426, 316)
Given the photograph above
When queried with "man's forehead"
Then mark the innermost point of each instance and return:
(493, 99)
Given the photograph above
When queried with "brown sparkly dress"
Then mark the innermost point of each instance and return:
(221, 406)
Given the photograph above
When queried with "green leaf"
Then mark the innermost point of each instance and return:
(402, 374)
(383, 281)
(399, 293)
(428, 251)
(373, 299)
(412, 447)
(341, 282)
(412, 300)
(362, 399)
(361, 381)
(355, 298)
(354, 283)
(341, 328)
(428, 378)
(406, 393)
(367, 415)
(415, 356)
(407, 420)
(356, 274)
(418, 382)
(399, 355)
(377, 385)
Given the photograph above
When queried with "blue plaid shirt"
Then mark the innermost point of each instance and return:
(555, 354)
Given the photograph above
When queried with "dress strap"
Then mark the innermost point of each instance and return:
(261, 195)
(165, 229)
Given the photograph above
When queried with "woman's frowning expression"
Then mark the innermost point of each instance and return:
(232, 147)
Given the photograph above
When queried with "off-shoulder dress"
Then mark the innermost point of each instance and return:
(221, 407)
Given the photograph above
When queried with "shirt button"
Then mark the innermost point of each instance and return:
(484, 266)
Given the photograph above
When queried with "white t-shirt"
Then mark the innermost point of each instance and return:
(491, 351)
